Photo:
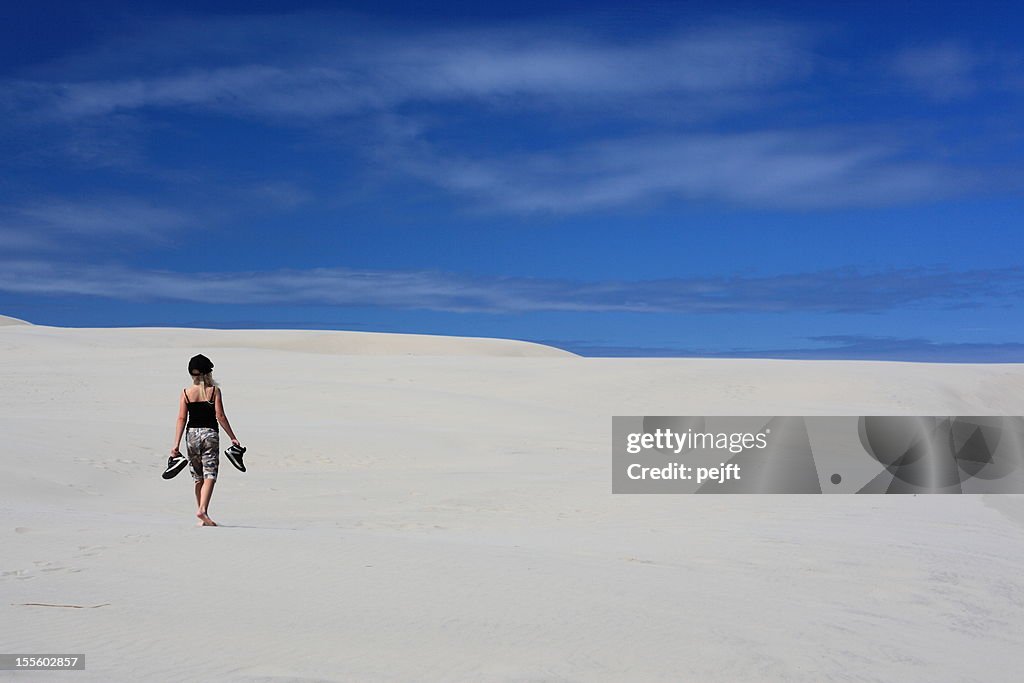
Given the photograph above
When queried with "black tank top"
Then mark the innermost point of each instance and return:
(202, 413)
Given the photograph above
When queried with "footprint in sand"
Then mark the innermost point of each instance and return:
(48, 567)
(17, 574)
(649, 563)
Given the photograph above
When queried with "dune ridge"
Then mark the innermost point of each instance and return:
(8, 320)
(333, 342)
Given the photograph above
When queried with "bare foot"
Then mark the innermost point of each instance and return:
(204, 519)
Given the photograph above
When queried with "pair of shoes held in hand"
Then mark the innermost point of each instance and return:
(176, 463)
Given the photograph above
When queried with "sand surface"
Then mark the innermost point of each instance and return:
(423, 508)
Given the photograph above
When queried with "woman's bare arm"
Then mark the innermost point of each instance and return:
(222, 418)
(179, 428)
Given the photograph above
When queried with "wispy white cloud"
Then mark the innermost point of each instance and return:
(942, 71)
(112, 143)
(125, 223)
(354, 72)
(843, 290)
(274, 194)
(952, 70)
(414, 91)
(59, 223)
(20, 240)
(782, 169)
(305, 91)
(696, 61)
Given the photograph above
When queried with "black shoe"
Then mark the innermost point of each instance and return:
(175, 464)
(235, 454)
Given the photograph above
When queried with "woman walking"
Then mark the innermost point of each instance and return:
(203, 406)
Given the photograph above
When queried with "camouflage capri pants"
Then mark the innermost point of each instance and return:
(203, 452)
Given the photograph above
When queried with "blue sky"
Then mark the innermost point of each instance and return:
(805, 180)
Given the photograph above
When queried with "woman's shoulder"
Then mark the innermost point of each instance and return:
(216, 390)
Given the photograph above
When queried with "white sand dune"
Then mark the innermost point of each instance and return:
(304, 341)
(424, 508)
